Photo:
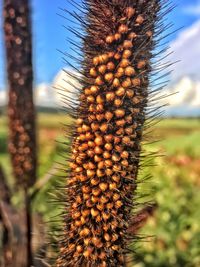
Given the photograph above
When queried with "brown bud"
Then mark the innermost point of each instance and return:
(149, 33)
(79, 249)
(129, 11)
(123, 28)
(129, 71)
(115, 157)
(119, 113)
(86, 189)
(117, 140)
(95, 199)
(118, 102)
(106, 216)
(93, 72)
(116, 196)
(99, 99)
(124, 63)
(109, 206)
(127, 83)
(94, 212)
(111, 54)
(125, 154)
(117, 36)
(108, 146)
(125, 163)
(108, 172)
(95, 60)
(96, 191)
(141, 64)
(100, 108)
(98, 140)
(139, 20)
(108, 115)
(103, 58)
(98, 150)
(94, 89)
(117, 56)
(116, 178)
(90, 173)
(127, 44)
(102, 255)
(120, 91)
(99, 117)
(118, 204)
(116, 82)
(104, 199)
(101, 165)
(92, 108)
(102, 69)
(79, 121)
(99, 80)
(78, 223)
(104, 127)
(107, 237)
(110, 96)
(106, 155)
(97, 242)
(110, 39)
(127, 53)
(103, 186)
(108, 77)
(94, 181)
(132, 35)
(100, 206)
(108, 138)
(120, 131)
(87, 91)
(108, 163)
(84, 232)
(76, 214)
(86, 241)
(126, 140)
(130, 93)
(95, 126)
(97, 158)
(110, 66)
(100, 173)
(136, 82)
(119, 73)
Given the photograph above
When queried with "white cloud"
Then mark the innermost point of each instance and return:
(184, 93)
(3, 97)
(66, 88)
(186, 48)
(44, 95)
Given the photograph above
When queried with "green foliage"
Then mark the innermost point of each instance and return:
(174, 229)
(175, 226)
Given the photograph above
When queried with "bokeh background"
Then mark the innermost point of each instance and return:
(174, 229)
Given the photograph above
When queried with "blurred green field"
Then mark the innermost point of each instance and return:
(174, 230)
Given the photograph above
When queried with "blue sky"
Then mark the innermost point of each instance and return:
(50, 35)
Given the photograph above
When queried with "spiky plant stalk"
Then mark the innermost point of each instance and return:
(106, 148)
(21, 113)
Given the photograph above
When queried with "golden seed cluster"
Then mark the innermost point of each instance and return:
(106, 149)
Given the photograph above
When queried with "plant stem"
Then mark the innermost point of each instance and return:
(29, 229)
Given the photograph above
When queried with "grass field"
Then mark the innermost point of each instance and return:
(174, 230)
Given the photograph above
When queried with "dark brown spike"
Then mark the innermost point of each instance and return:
(21, 113)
